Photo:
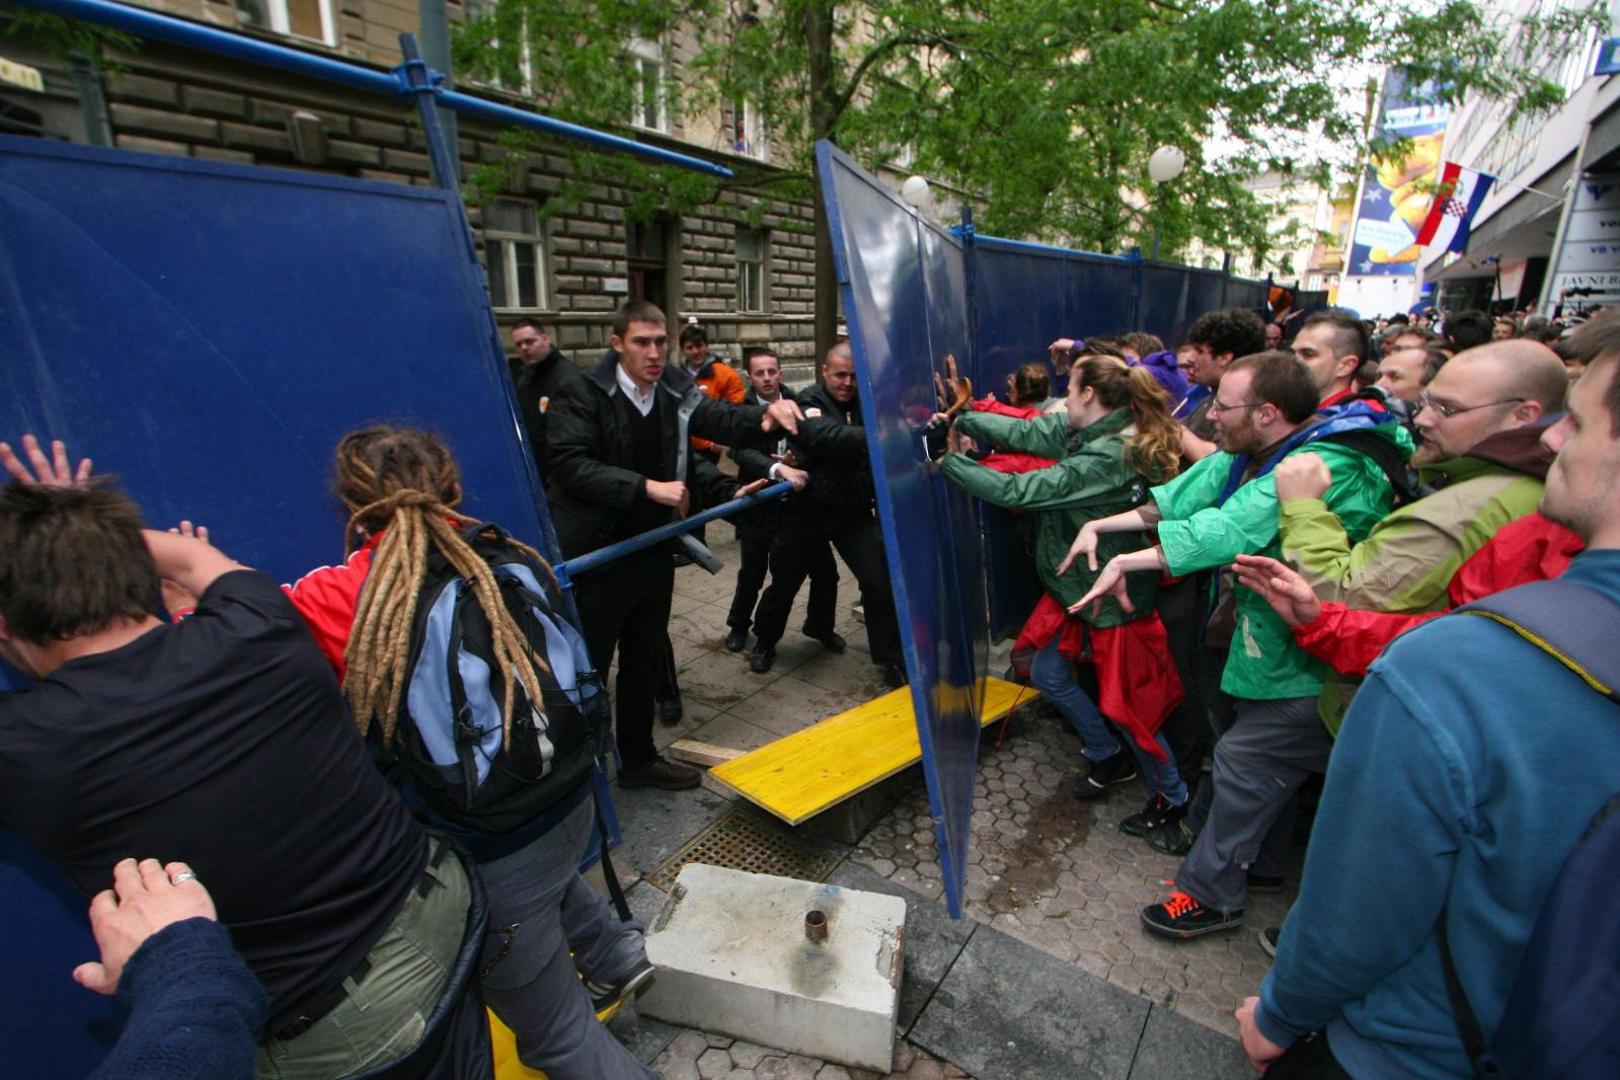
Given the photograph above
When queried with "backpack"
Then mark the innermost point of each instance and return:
(1562, 1017)
(448, 744)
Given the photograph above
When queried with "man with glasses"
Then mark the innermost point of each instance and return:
(1265, 408)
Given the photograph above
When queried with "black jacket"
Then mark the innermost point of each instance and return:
(536, 384)
(590, 450)
(754, 463)
(831, 445)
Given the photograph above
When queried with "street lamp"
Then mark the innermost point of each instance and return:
(1164, 166)
(916, 193)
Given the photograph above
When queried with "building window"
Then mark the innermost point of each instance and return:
(515, 252)
(512, 72)
(301, 18)
(747, 129)
(752, 283)
(650, 110)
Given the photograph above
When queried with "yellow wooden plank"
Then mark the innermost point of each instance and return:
(800, 775)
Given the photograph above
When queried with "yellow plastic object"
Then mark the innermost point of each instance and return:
(800, 775)
(504, 1045)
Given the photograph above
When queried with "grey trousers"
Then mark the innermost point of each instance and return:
(1260, 763)
(538, 905)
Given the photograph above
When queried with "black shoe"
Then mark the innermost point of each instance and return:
(832, 641)
(1268, 940)
(1156, 814)
(761, 659)
(659, 773)
(894, 676)
(670, 709)
(1118, 769)
(1182, 917)
(737, 641)
(606, 995)
(1265, 883)
(1173, 838)
(681, 558)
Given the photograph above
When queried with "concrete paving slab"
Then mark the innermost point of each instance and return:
(737, 734)
(657, 823)
(643, 1036)
(1176, 1048)
(933, 939)
(1007, 1009)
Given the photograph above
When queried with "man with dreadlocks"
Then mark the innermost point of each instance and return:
(219, 740)
(620, 466)
(401, 487)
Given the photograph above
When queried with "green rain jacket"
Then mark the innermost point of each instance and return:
(1089, 481)
(1264, 664)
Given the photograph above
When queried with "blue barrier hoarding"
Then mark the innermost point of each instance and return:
(904, 298)
(208, 332)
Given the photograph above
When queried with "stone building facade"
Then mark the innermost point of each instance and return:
(742, 266)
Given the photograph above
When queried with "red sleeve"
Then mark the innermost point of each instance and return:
(1348, 639)
(1011, 462)
(1529, 549)
(327, 597)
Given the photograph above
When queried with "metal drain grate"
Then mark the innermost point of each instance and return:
(743, 839)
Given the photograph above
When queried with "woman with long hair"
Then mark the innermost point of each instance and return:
(402, 489)
(1114, 440)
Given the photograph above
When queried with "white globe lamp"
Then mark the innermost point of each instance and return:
(915, 192)
(1166, 164)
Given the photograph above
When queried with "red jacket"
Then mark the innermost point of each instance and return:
(328, 596)
(1529, 549)
(1007, 461)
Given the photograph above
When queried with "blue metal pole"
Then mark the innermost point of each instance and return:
(592, 559)
(152, 26)
(420, 78)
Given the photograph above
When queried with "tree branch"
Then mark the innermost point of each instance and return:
(878, 52)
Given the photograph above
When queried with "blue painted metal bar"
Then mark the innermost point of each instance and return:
(157, 27)
(592, 559)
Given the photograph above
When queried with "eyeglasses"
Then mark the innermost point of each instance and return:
(1447, 411)
(1217, 407)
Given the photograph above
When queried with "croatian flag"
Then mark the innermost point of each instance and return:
(1455, 203)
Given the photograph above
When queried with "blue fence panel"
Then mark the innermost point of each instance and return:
(1207, 290)
(1163, 309)
(1097, 295)
(903, 292)
(208, 332)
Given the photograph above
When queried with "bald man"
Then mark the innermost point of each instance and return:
(1481, 466)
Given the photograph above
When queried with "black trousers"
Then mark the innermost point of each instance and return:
(756, 563)
(858, 539)
(626, 610)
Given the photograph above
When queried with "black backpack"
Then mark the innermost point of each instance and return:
(1562, 1017)
(448, 743)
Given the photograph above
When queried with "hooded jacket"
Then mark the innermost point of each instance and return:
(1210, 517)
(591, 451)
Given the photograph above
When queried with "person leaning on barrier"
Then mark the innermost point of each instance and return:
(757, 527)
(620, 466)
(831, 445)
(222, 738)
(1223, 507)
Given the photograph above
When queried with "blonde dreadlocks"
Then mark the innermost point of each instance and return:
(404, 480)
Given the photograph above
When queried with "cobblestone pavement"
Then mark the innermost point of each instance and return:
(1047, 869)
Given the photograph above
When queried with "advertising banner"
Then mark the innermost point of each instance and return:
(1396, 192)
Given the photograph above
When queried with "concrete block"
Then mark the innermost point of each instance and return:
(733, 957)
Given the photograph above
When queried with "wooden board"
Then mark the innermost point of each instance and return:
(694, 752)
(800, 775)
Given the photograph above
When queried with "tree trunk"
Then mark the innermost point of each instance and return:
(818, 35)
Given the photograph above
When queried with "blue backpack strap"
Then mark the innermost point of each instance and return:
(1575, 625)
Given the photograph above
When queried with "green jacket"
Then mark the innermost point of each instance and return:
(1264, 663)
(1406, 562)
(1090, 481)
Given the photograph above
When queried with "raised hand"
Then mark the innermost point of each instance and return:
(1085, 543)
(54, 471)
(782, 414)
(1279, 585)
(1111, 582)
(1302, 476)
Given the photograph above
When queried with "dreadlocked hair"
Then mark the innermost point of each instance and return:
(1154, 452)
(405, 481)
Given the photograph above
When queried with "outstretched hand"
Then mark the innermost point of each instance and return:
(1085, 543)
(145, 898)
(948, 391)
(783, 414)
(1279, 585)
(1111, 582)
(751, 487)
(53, 471)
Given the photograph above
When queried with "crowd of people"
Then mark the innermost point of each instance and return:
(1227, 538)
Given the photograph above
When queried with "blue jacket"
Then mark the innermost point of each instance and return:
(1466, 768)
(195, 1008)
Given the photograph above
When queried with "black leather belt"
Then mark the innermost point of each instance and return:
(322, 1004)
